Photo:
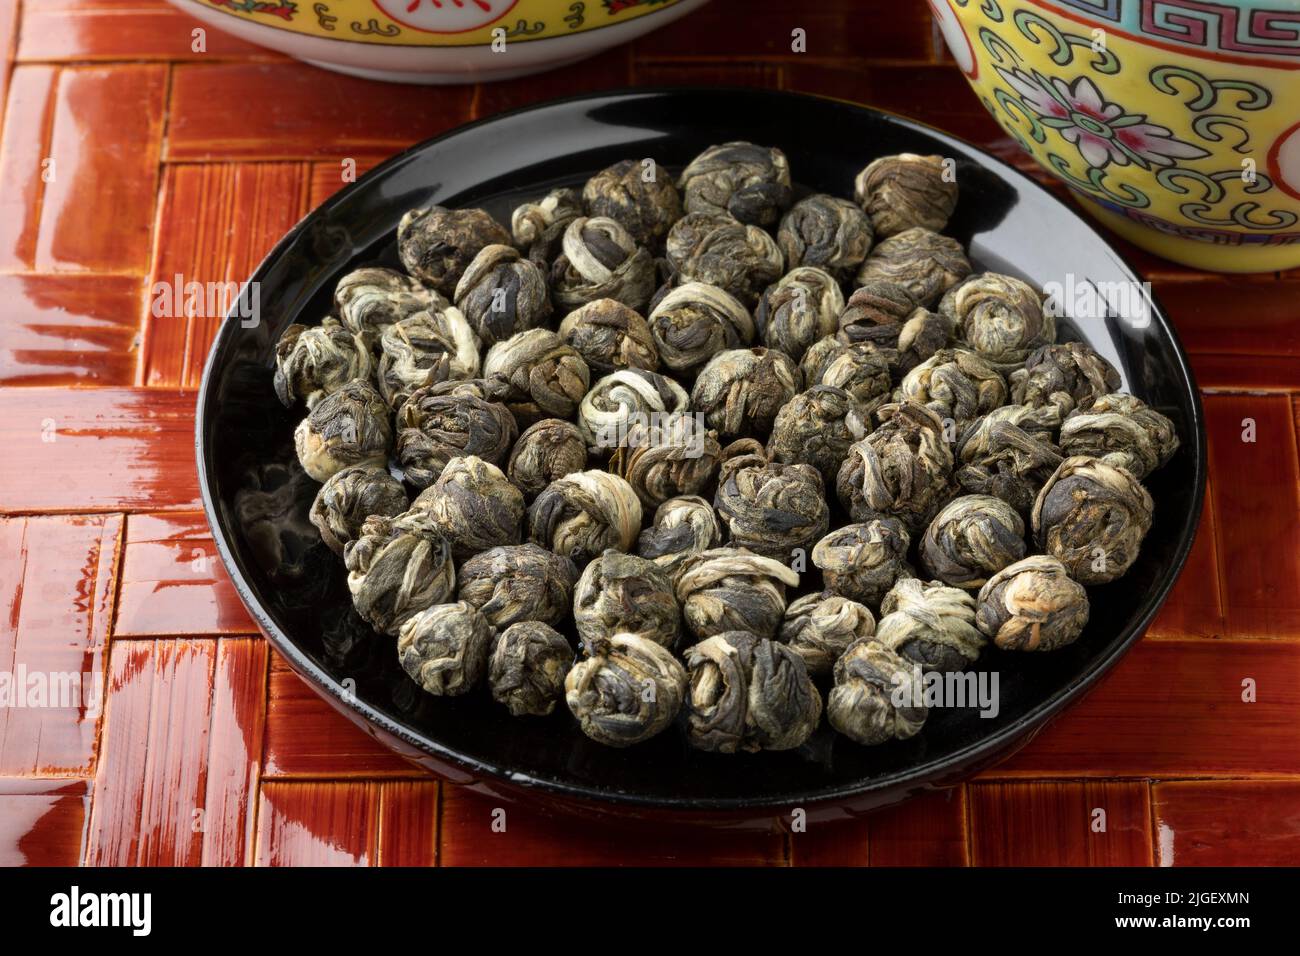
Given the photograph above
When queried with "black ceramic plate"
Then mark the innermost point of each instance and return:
(256, 496)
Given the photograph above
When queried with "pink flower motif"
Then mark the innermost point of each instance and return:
(1102, 132)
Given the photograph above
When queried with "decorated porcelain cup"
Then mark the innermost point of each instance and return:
(1176, 121)
(438, 41)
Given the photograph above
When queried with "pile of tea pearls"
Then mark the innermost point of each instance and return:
(695, 452)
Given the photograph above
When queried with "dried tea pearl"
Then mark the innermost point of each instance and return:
(474, 506)
(348, 427)
(682, 527)
(772, 509)
(923, 334)
(820, 628)
(926, 263)
(1122, 431)
(803, 306)
(971, 538)
(537, 375)
(601, 261)
(619, 401)
(424, 349)
(518, 582)
(863, 561)
(397, 567)
(957, 384)
(581, 515)
(1068, 376)
(748, 693)
(862, 370)
(351, 496)
(719, 251)
(1092, 517)
(527, 668)
(445, 648)
(312, 362)
(639, 194)
(550, 449)
(817, 427)
(1032, 605)
(502, 294)
(827, 232)
(930, 624)
(610, 336)
(869, 680)
(899, 192)
(751, 183)
(623, 594)
(538, 227)
(694, 322)
(1000, 317)
(371, 299)
(626, 691)
(437, 244)
(731, 589)
(875, 312)
(902, 469)
(439, 422)
(741, 390)
(672, 455)
(1009, 454)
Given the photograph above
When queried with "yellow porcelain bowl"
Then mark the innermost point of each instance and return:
(438, 41)
(1176, 121)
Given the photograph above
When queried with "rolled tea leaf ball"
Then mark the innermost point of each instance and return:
(350, 426)
(731, 589)
(623, 399)
(971, 538)
(772, 509)
(958, 385)
(474, 505)
(518, 582)
(869, 679)
(820, 628)
(1123, 431)
(924, 262)
(1000, 317)
(827, 232)
(748, 693)
(719, 251)
(694, 322)
(581, 515)
(424, 349)
(639, 194)
(1009, 453)
(863, 561)
(445, 648)
(1032, 605)
(527, 668)
(751, 183)
(610, 336)
(313, 361)
(682, 527)
(624, 594)
(440, 422)
(800, 308)
(397, 567)
(538, 227)
(1068, 376)
(502, 294)
(601, 261)
(537, 375)
(931, 624)
(671, 455)
(902, 469)
(371, 299)
(740, 391)
(904, 191)
(817, 427)
(862, 370)
(437, 244)
(1092, 517)
(550, 449)
(627, 689)
(875, 312)
(349, 497)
